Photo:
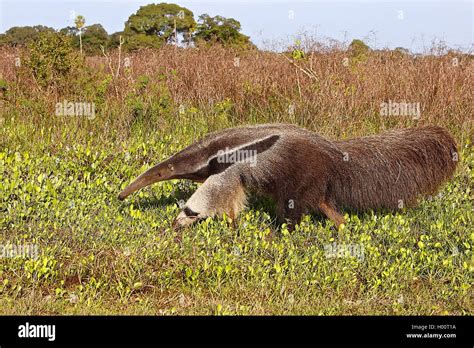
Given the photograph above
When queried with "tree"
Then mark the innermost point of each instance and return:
(114, 39)
(156, 24)
(401, 51)
(94, 37)
(218, 29)
(358, 48)
(20, 36)
(80, 21)
(51, 59)
(70, 31)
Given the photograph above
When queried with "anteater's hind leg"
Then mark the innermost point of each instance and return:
(220, 193)
(331, 212)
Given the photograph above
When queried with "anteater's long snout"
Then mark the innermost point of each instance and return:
(155, 174)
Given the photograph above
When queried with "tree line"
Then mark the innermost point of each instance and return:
(151, 26)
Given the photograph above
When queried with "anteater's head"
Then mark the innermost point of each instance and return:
(204, 158)
(191, 163)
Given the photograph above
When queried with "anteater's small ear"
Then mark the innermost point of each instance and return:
(170, 167)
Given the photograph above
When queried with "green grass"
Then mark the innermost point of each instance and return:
(60, 176)
(98, 255)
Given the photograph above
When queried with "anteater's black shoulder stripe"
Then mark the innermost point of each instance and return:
(189, 212)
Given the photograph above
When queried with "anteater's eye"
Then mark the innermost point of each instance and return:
(170, 167)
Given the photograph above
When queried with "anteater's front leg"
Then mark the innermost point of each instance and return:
(289, 211)
(220, 193)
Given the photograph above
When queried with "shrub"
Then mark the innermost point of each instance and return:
(51, 59)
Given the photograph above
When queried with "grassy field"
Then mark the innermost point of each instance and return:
(60, 176)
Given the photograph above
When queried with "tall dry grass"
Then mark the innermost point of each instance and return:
(329, 90)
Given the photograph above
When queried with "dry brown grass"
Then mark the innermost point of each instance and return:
(329, 90)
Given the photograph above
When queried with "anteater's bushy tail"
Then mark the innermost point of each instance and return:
(393, 169)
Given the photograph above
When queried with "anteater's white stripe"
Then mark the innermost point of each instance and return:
(232, 150)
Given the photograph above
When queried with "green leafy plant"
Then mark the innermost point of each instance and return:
(51, 59)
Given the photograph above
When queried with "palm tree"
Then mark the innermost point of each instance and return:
(80, 21)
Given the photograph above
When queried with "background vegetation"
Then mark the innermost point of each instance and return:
(60, 176)
(151, 26)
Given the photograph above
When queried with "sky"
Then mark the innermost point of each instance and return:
(410, 24)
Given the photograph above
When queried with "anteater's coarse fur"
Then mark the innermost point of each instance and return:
(304, 172)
